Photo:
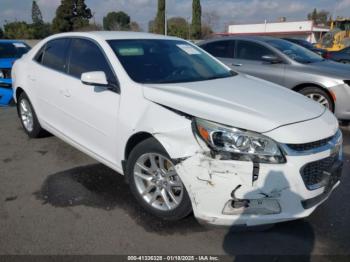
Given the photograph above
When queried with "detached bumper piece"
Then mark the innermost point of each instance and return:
(253, 207)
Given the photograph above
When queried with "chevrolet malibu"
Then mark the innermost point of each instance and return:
(188, 133)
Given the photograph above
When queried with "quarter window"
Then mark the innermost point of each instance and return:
(55, 54)
(85, 56)
(251, 51)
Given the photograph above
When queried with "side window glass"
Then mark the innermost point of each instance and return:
(220, 49)
(85, 56)
(55, 54)
(251, 51)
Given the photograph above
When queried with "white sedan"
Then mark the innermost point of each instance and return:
(189, 134)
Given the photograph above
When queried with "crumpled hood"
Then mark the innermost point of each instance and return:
(7, 62)
(241, 101)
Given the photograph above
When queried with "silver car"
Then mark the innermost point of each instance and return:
(289, 65)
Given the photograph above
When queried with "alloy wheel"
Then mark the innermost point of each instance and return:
(319, 99)
(157, 182)
(26, 115)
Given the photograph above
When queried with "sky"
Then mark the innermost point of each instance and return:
(226, 11)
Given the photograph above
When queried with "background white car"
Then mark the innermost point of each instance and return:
(188, 133)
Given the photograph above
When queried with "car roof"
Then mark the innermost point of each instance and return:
(114, 35)
(242, 37)
(10, 41)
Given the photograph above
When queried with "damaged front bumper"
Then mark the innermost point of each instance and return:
(229, 192)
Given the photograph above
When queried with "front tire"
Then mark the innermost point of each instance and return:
(28, 117)
(155, 183)
(318, 95)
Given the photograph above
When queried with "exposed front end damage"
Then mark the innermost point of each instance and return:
(232, 192)
(223, 191)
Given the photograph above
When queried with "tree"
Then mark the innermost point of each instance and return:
(178, 26)
(196, 27)
(159, 27)
(18, 30)
(91, 27)
(211, 18)
(71, 15)
(151, 26)
(37, 17)
(319, 18)
(1, 33)
(134, 26)
(116, 21)
(40, 29)
(82, 15)
(207, 31)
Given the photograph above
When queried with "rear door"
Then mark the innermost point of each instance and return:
(47, 76)
(221, 49)
(248, 60)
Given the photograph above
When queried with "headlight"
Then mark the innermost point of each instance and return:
(2, 74)
(238, 144)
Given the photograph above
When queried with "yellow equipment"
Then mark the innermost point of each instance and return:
(338, 37)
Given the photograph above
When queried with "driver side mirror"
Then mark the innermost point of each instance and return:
(95, 78)
(272, 59)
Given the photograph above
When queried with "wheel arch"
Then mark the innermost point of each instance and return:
(134, 140)
(304, 85)
(19, 91)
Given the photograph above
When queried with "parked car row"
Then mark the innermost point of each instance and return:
(341, 56)
(289, 65)
(189, 133)
(307, 45)
(9, 52)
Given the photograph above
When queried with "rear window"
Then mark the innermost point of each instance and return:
(55, 54)
(13, 50)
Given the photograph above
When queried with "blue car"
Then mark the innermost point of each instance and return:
(10, 50)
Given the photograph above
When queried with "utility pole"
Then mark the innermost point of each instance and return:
(165, 21)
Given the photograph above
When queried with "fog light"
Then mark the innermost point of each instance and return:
(255, 207)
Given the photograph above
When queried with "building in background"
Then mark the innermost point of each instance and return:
(299, 29)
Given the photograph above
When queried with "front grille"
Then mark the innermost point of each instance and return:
(6, 72)
(316, 174)
(311, 145)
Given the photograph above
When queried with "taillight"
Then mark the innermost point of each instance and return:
(327, 55)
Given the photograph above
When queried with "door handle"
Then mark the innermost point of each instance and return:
(234, 64)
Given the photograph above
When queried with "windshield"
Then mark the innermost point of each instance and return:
(166, 61)
(296, 52)
(13, 50)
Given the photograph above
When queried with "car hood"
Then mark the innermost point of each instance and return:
(7, 62)
(329, 68)
(241, 101)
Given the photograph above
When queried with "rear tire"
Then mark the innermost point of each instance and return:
(318, 95)
(154, 182)
(28, 117)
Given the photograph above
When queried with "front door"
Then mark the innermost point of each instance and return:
(91, 111)
(248, 60)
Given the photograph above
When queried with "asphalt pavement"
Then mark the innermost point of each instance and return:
(56, 200)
